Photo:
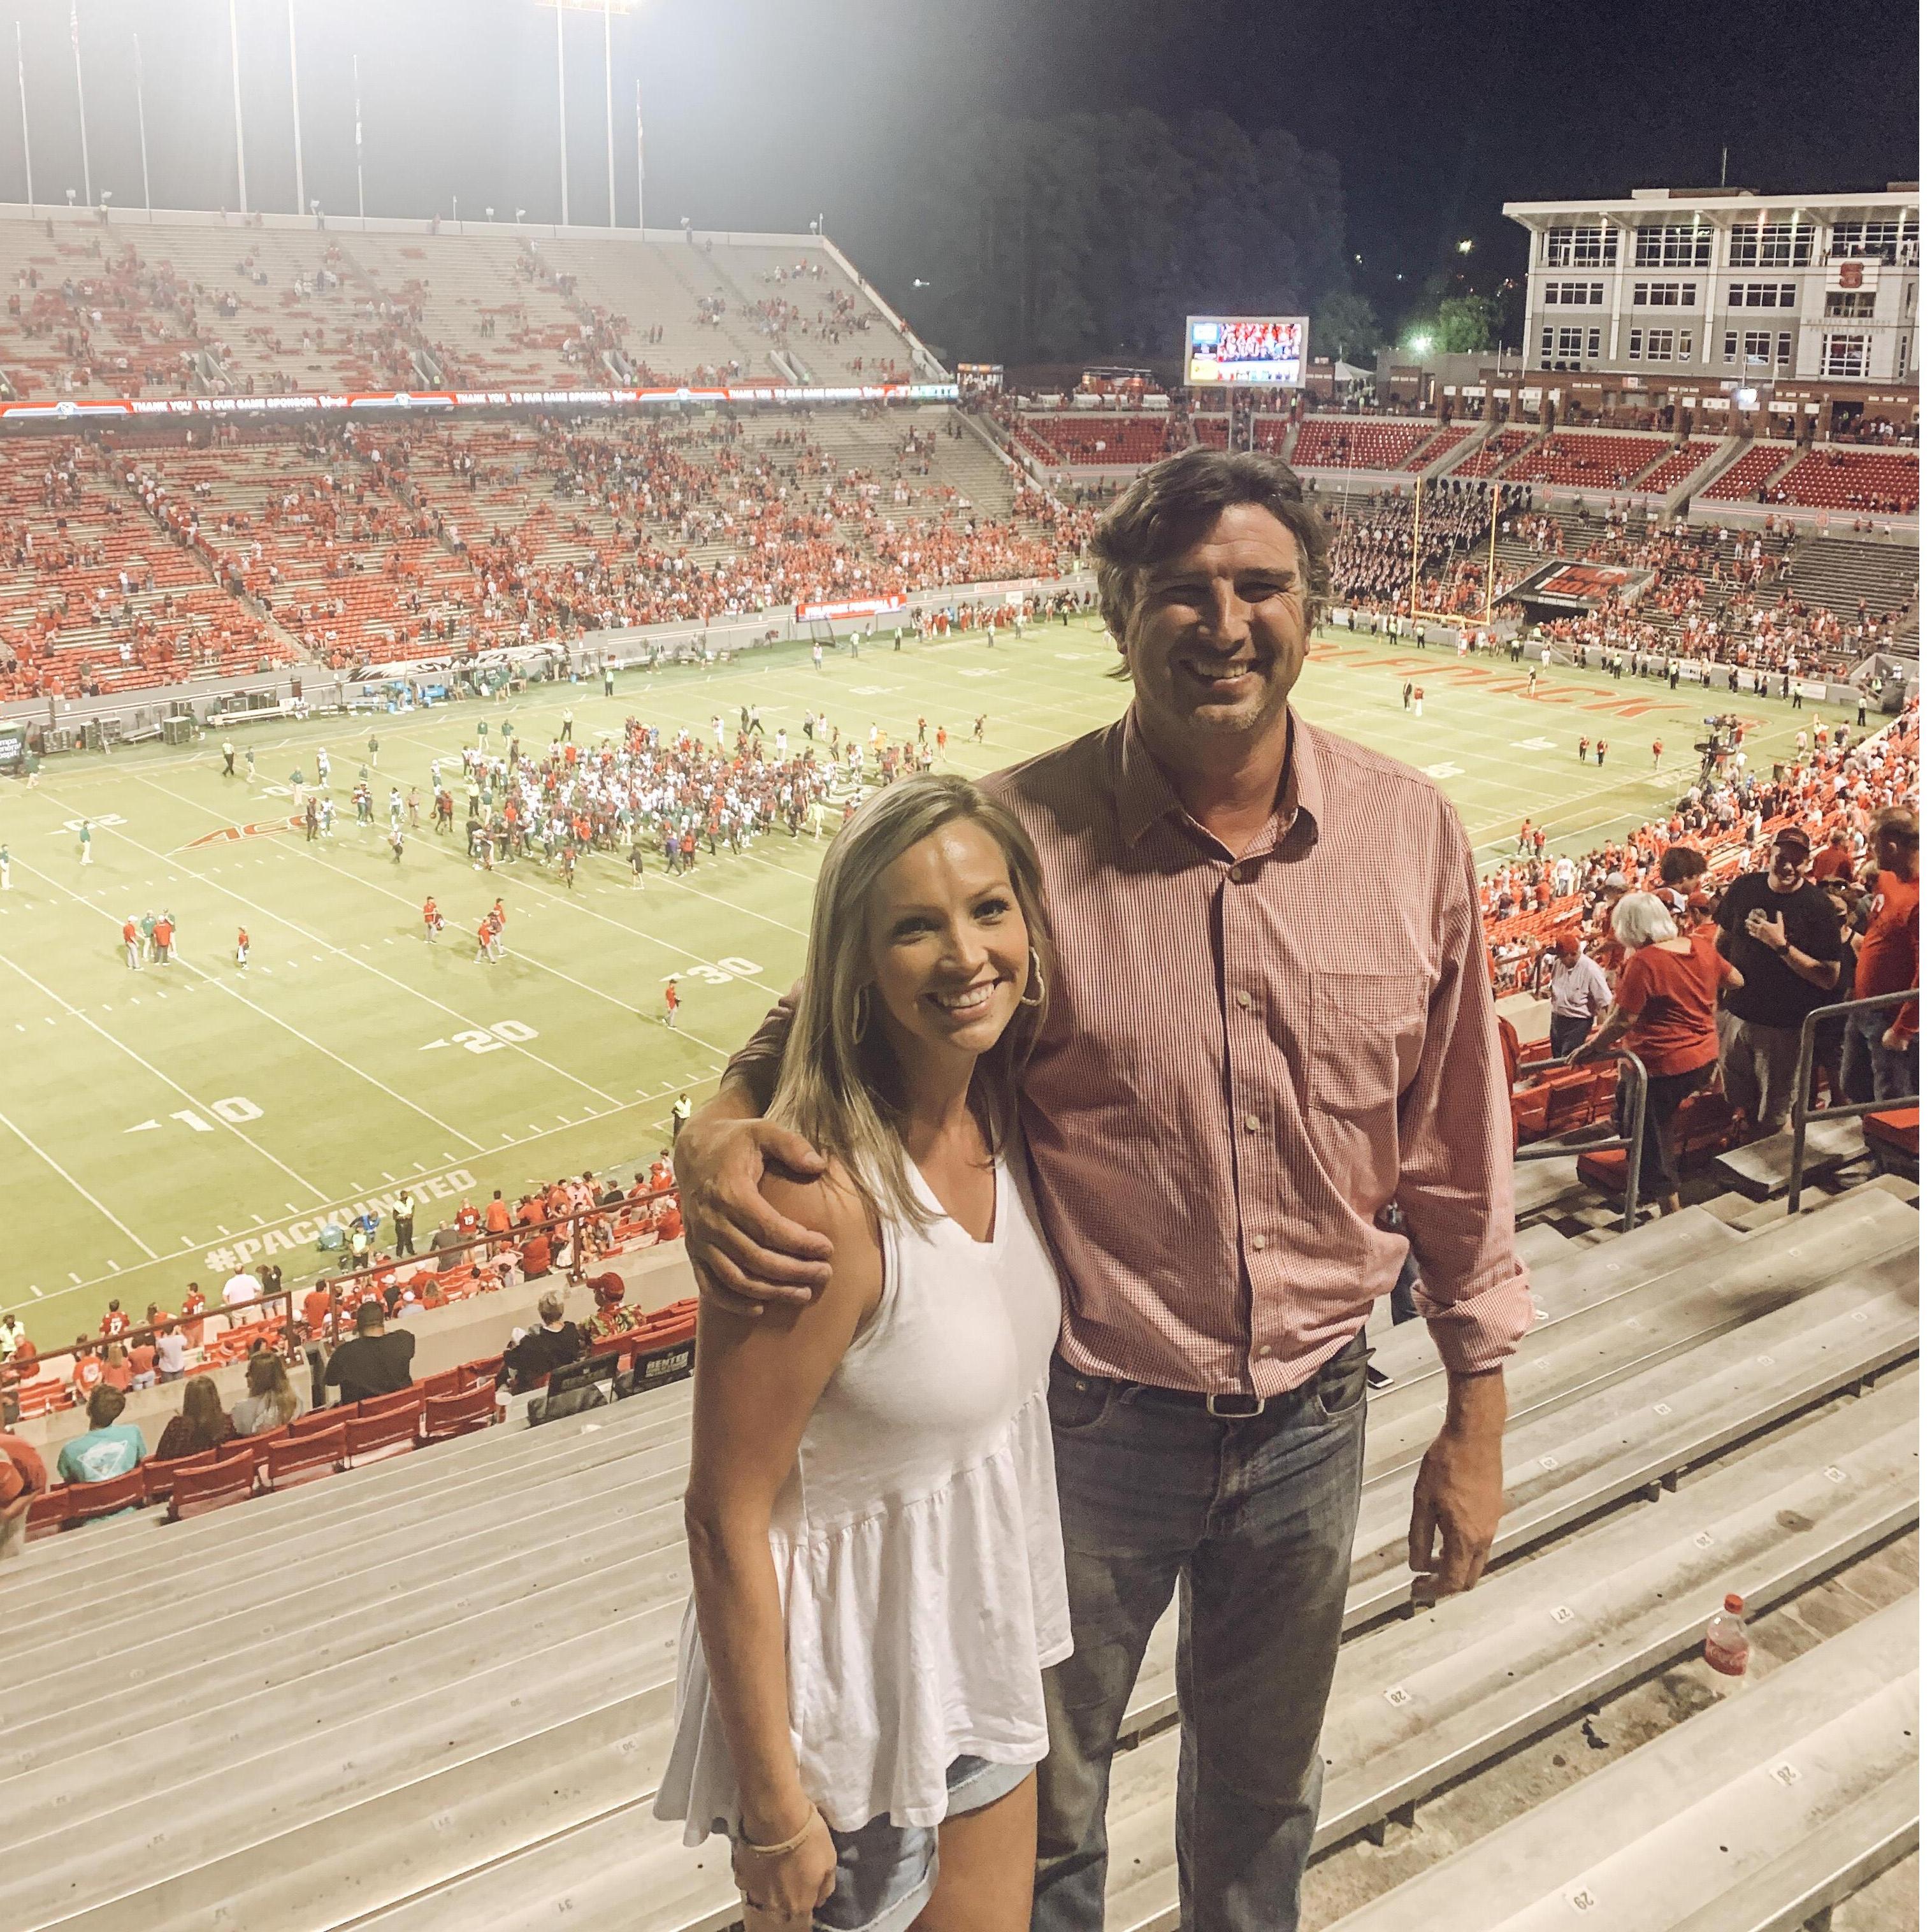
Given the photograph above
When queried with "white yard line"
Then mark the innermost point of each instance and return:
(319, 939)
(93, 1200)
(202, 1105)
(235, 993)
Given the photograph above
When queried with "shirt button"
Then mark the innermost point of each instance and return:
(1244, 1001)
(1235, 875)
(1264, 1350)
(1252, 1122)
(1258, 1242)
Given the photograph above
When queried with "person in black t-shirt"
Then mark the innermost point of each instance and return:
(550, 1346)
(1781, 933)
(374, 1362)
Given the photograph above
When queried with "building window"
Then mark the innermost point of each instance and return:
(1850, 305)
(1684, 345)
(1580, 248)
(1656, 345)
(1904, 352)
(1664, 295)
(1879, 240)
(1730, 345)
(1762, 295)
(1596, 348)
(1573, 295)
(1674, 244)
(1757, 348)
(1637, 345)
(1847, 354)
(1779, 244)
(1784, 348)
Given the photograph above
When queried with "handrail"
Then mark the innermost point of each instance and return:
(1631, 1143)
(1803, 1114)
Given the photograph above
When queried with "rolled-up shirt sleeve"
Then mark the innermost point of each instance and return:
(1456, 1192)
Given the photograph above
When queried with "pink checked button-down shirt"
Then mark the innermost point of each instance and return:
(1248, 1055)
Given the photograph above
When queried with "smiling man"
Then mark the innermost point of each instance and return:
(1272, 1020)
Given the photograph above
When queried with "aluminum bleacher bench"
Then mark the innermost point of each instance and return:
(580, 1563)
(1478, 1675)
(1756, 1815)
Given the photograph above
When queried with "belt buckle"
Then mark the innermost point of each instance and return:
(1255, 1406)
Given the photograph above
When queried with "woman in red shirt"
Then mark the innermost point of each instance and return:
(1665, 1013)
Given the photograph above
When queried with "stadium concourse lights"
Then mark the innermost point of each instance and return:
(1420, 345)
(1463, 248)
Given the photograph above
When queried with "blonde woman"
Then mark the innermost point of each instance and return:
(272, 1401)
(876, 1563)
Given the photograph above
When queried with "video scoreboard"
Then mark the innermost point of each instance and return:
(1255, 352)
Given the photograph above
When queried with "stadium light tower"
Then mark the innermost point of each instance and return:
(295, 109)
(80, 99)
(26, 146)
(356, 73)
(235, 80)
(141, 122)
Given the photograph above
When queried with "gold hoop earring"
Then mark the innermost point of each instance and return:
(1036, 978)
(861, 1015)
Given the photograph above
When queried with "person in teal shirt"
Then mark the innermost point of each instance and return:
(110, 1447)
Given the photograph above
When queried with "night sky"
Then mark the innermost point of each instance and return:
(762, 115)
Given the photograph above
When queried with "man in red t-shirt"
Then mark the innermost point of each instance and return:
(1835, 861)
(23, 1476)
(1881, 1053)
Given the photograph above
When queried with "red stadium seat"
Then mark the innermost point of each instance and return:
(90, 1500)
(302, 1458)
(232, 1479)
(47, 1513)
(370, 1438)
(315, 1420)
(400, 1401)
(447, 1417)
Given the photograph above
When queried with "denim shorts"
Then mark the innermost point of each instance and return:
(886, 1872)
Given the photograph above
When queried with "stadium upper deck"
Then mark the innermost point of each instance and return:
(185, 305)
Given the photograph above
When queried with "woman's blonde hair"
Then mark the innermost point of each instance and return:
(267, 1377)
(839, 1083)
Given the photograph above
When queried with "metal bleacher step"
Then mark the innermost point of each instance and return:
(1479, 1673)
(1757, 1814)
(1418, 1704)
(353, 1501)
(395, 1757)
(1763, 1168)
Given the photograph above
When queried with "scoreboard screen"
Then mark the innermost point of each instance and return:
(1262, 352)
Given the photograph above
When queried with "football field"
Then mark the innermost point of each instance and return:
(154, 1124)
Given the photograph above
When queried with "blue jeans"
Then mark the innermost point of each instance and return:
(1255, 1520)
(1869, 1071)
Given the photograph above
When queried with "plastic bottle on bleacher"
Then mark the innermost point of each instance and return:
(1726, 1648)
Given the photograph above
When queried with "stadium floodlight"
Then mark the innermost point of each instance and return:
(26, 145)
(1463, 248)
(607, 8)
(520, 214)
(1421, 344)
(80, 98)
(489, 215)
(141, 121)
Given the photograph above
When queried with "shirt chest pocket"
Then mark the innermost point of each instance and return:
(1362, 1039)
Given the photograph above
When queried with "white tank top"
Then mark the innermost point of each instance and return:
(917, 1541)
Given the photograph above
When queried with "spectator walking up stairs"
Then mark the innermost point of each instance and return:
(435, 1695)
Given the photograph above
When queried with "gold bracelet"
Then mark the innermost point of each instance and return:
(791, 1844)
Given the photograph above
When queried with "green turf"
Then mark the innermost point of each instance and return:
(150, 1121)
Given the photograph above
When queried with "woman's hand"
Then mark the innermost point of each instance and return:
(781, 1893)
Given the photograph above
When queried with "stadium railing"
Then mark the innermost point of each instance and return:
(274, 1316)
(1628, 1144)
(1803, 1114)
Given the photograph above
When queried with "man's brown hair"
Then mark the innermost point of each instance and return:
(1896, 822)
(104, 1406)
(1177, 501)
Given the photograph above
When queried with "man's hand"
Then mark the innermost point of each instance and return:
(1458, 1490)
(1767, 929)
(745, 1253)
(1893, 1041)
